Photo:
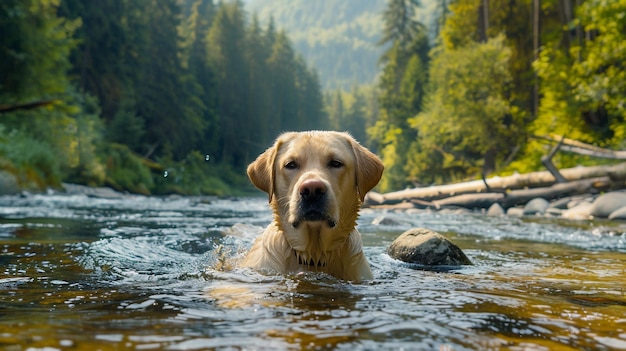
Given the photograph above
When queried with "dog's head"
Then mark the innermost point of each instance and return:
(316, 182)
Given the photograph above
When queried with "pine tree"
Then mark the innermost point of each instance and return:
(282, 68)
(44, 145)
(402, 88)
(259, 105)
(226, 47)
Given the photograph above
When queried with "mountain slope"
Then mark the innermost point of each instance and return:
(338, 37)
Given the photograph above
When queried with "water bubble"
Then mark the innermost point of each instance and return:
(207, 157)
(165, 174)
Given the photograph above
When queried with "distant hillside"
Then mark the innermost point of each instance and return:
(338, 37)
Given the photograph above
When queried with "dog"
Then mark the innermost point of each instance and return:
(316, 182)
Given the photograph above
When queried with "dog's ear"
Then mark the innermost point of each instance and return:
(369, 168)
(262, 171)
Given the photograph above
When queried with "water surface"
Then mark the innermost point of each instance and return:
(140, 273)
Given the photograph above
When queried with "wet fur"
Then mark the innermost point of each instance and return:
(319, 237)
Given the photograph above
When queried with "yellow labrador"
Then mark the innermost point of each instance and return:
(316, 183)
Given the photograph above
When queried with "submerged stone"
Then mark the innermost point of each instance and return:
(582, 211)
(426, 247)
(495, 210)
(8, 184)
(608, 203)
(515, 212)
(536, 206)
(618, 214)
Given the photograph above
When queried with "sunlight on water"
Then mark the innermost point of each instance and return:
(156, 273)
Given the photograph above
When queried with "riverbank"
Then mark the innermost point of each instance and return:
(585, 199)
(610, 205)
(585, 193)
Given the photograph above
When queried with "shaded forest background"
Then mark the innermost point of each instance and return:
(339, 38)
(162, 96)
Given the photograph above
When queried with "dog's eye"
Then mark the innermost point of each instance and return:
(335, 164)
(291, 165)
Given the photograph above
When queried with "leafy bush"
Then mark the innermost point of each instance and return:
(197, 174)
(126, 171)
(32, 161)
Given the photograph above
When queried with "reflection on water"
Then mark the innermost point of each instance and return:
(79, 273)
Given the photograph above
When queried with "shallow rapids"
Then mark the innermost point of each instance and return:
(81, 273)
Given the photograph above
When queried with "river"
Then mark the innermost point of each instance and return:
(140, 273)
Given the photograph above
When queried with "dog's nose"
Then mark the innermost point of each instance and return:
(312, 189)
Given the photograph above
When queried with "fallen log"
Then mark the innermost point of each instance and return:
(514, 182)
(471, 201)
(521, 196)
(578, 147)
(557, 191)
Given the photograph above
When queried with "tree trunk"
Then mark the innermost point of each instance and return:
(536, 45)
(483, 20)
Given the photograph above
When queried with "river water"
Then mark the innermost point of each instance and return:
(146, 273)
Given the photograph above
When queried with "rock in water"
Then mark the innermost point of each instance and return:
(495, 210)
(536, 206)
(607, 203)
(428, 248)
(618, 214)
(8, 184)
(581, 211)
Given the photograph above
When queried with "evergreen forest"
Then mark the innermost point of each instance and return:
(147, 96)
(178, 96)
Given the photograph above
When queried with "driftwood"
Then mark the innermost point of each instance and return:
(578, 147)
(522, 196)
(613, 173)
(517, 189)
(546, 161)
(559, 190)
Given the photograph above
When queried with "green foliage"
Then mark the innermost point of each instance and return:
(582, 83)
(338, 37)
(467, 114)
(198, 174)
(130, 82)
(34, 50)
(85, 132)
(584, 87)
(355, 111)
(31, 160)
(124, 83)
(479, 111)
(399, 23)
(401, 85)
(56, 142)
(127, 171)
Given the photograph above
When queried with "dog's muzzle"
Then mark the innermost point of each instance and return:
(313, 203)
